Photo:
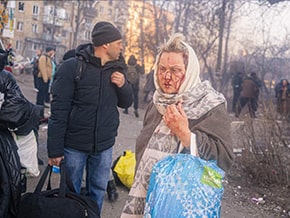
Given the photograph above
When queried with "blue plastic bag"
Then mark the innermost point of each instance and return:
(183, 185)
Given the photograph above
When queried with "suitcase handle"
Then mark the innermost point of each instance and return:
(47, 173)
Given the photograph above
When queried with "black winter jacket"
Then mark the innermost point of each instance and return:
(17, 113)
(84, 113)
(10, 180)
(21, 116)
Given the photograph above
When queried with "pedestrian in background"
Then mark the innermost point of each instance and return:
(35, 69)
(183, 110)
(84, 115)
(259, 85)
(45, 67)
(249, 95)
(237, 88)
(134, 72)
(282, 93)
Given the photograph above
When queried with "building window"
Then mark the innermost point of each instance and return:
(101, 9)
(110, 12)
(20, 26)
(34, 46)
(18, 45)
(34, 28)
(87, 35)
(21, 6)
(63, 33)
(35, 10)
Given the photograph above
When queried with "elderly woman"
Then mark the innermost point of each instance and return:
(184, 110)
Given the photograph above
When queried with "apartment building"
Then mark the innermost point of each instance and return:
(65, 24)
(61, 24)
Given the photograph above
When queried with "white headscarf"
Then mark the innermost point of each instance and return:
(197, 97)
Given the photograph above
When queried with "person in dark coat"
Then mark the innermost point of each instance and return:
(249, 95)
(237, 88)
(20, 116)
(258, 85)
(132, 62)
(84, 114)
(282, 93)
(111, 187)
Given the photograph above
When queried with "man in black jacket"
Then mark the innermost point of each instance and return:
(84, 115)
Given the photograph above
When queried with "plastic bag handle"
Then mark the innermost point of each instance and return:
(192, 147)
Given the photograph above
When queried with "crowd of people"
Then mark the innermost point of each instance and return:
(84, 93)
(246, 91)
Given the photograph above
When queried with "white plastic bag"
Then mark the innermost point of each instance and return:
(27, 151)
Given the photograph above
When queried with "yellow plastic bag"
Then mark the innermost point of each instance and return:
(125, 168)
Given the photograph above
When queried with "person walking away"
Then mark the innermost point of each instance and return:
(282, 93)
(84, 113)
(237, 88)
(249, 93)
(133, 75)
(44, 75)
(35, 70)
(183, 110)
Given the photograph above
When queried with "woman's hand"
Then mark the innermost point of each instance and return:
(176, 120)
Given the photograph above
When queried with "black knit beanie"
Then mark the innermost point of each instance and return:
(48, 49)
(69, 54)
(105, 32)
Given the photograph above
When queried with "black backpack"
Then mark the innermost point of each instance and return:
(132, 74)
(81, 67)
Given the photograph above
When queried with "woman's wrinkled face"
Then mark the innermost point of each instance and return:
(171, 72)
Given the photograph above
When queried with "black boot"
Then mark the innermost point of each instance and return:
(136, 113)
(112, 191)
(40, 162)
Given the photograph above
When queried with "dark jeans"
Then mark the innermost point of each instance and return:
(97, 166)
(135, 88)
(42, 91)
(35, 80)
(236, 98)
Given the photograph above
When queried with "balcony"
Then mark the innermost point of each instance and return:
(54, 16)
(90, 12)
